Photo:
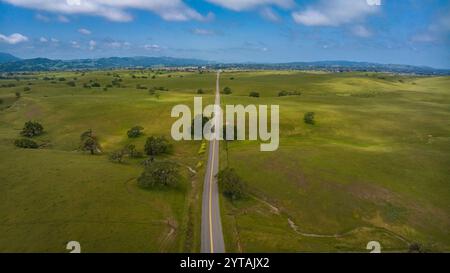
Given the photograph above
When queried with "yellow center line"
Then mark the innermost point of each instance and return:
(210, 197)
(211, 240)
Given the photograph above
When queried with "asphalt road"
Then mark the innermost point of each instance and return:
(212, 236)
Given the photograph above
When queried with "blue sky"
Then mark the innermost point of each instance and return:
(413, 32)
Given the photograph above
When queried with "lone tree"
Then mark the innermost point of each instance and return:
(227, 90)
(159, 174)
(135, 131)
(309, 118)
(89, 142)
(31, 129)
(156, 146)
(254, 94)
(231, 184)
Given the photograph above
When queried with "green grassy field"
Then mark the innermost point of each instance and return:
(57, 194)
(373, 167)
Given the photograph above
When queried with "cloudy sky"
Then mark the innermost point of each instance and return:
(388, 31)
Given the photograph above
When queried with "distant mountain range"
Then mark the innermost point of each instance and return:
(5, 57)
(44, 64)
(345, 66)
(10, 63)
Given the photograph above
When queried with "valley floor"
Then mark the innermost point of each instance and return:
(374, 167)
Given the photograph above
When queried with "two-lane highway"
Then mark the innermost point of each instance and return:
(212, 236)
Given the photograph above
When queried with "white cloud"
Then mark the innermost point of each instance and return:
(239, 5)
(269, 14)
(63, 19)
(43, 40)
(13, 39)
(361, 31)
(113, 44)
(45, 18)
(54, 40)
(115, 10)
(204, 32)
(42, 18)
(152, 47)
(92, 44)
(335, 13)
(84, 31)
(75, 44)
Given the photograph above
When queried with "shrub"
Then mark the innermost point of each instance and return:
(283, 93)
(116, 156)
(26, 89)
(231, 184)
(18, 95)
(32, 129)
(159, 174)
(156, 146)
(200, 91)
(309, 118)
(160, 88)
(71, 84)
(132, 152)
(227, 90)
(135, 131)
(61, 79)
(26, 143)
(254, 94)
(96, 84)
(416, 248)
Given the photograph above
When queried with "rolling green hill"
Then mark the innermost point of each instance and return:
(374, 167)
